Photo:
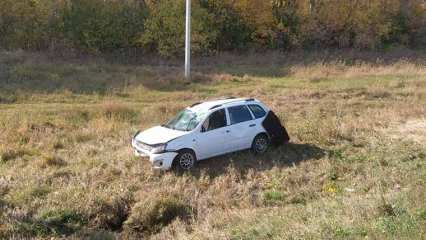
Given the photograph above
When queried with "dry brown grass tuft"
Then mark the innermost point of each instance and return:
(51, 160)
(198, 77)
(11, 154)
(111, 213)
(57, 145)
(4, 187)
(223, 77)
(112, 110)
(152, 214)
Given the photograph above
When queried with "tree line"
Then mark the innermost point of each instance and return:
(157, 26)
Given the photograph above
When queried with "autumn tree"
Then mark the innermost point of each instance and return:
(98, 26)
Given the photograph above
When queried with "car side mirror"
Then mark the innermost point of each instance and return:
(203, 129)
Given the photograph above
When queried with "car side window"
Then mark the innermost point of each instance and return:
(257, 111)
(215, 121)
(239, 114)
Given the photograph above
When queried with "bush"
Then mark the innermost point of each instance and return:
(48, 222)
(233, 33)
(25, 23)
(165, 28)
(27, 194)
(287, 15)
(98, 25)
(58, 221)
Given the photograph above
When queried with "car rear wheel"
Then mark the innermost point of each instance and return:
(260, 144)
(185, 160)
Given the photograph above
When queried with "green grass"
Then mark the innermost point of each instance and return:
(355, 168)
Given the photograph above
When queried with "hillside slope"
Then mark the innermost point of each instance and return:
(355, 169)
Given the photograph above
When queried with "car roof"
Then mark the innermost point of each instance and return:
(216, 104)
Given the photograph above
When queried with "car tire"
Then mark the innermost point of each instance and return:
(185, 160)
(260, 144)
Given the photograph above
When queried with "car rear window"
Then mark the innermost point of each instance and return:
(239, 114)
(257, 111)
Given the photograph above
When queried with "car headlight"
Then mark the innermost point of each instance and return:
(160, 148)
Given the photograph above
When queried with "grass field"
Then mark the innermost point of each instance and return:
(356, 167)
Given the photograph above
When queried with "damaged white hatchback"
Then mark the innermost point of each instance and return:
(209, 129)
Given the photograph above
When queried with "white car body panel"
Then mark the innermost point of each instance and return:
(212, 143)
(205, 145)
(159, 134)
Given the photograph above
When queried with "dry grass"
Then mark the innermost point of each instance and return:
(51, 161)
(332, 70)
(355, 169)
(414, 130)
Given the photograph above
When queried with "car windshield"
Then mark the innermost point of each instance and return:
(186, 120)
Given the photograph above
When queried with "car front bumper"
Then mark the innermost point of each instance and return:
(161, 161)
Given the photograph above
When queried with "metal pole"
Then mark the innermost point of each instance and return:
(188, 41)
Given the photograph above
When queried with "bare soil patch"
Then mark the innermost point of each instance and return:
(414, 130)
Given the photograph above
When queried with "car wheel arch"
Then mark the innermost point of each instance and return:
(175, 162)
(262, 133)
(254, 145)
(186, 149)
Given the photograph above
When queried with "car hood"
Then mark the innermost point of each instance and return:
(158, 135)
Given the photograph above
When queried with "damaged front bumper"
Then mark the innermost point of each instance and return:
(161, 161)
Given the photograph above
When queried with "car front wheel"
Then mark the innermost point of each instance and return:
(260, 144)
(185, 160)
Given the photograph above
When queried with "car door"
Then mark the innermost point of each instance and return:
(259, 113)
(212, 137)
(242, 128)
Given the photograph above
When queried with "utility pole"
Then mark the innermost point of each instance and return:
(188, 41)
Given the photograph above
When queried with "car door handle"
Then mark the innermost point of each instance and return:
(252, 125)
(228, 131)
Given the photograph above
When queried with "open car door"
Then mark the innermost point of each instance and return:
(275, 129)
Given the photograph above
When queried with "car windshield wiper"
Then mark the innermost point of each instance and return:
(167, 126)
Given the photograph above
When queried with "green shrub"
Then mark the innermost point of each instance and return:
(233, 33)
(422, 214)
(50, 222)
(273, 196)
(27, 195)
(98, 25)
(25, 23)
(343, 232)
(165, 28)
(56, 221)
(288, 19)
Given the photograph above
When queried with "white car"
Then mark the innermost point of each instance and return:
(209, 129)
